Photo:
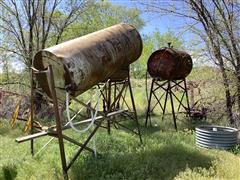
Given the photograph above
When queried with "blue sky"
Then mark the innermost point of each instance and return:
(155, 22)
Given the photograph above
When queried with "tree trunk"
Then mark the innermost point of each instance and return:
(238, 91)
(227, 89)
(228, 97)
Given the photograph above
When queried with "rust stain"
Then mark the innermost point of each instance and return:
(85, 61)
(169, 64)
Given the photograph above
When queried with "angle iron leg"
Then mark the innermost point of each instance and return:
(58, 125)
(149, 103)
(32, 109)
(134, 109)
(84, 144)
(109, 106)
(165, 102)
(185, 86)
(172, 104)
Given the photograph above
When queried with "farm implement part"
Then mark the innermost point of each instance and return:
(15, 114)
(16, 117)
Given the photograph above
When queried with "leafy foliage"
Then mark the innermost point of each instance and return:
(34, 25)
(102, 14)
(163, 155)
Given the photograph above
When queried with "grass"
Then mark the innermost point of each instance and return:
(163, 155)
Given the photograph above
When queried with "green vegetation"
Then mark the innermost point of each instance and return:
(102, 14)
(163, 155)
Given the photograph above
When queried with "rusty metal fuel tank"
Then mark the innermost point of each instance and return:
(169, 64)
(83, 62)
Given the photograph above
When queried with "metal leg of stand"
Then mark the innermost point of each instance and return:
(172, 104)
(188, 106)
(58, 125)
(165, 102)
(134, 109)
(109, 106)
(149, 104)
(32, 115)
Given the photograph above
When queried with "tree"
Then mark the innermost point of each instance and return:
(101, 15)
(217, 23)
(6, 66)
(30, 24)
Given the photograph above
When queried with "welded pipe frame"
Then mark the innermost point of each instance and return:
(56, 131)
(78, 65)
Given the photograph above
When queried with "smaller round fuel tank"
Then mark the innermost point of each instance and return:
(169, 64)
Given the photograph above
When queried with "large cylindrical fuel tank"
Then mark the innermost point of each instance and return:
(169, 64)
(85, 61)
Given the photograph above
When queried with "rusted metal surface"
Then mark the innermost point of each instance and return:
(57, 130)
(58, 125)
(169, 64)
(120, 75)
(85, 61)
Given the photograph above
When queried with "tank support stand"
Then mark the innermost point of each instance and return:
(112, 109)
(169, 88)
(114, 99)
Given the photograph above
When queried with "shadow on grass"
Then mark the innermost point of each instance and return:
(11, 132)
(149, 129)
(162, 163)
(193, 123)
(9, 172)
